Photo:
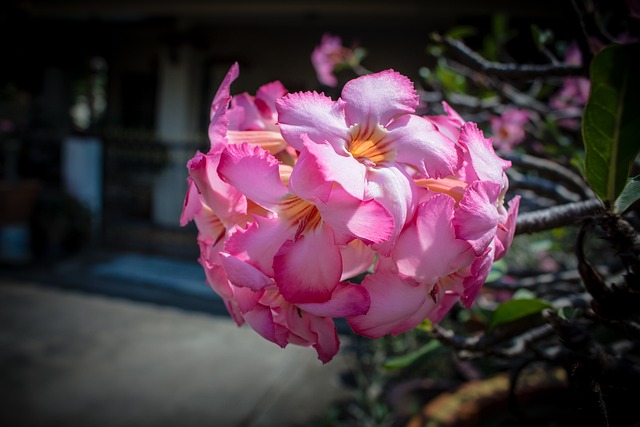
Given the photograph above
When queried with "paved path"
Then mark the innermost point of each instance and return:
(70, 358)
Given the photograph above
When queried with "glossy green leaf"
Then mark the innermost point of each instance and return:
(630, 194)
(611, 124)
(516, 309)
(415, 357)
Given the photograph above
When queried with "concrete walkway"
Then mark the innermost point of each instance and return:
(70, 357)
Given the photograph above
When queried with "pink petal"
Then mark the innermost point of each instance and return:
(219, 121)
(347, 300)
(261, 320)
(309, 268)
(476, 218)
(246, 298)
(254, 172)
(350, 217)
(224, 90)
(486, 164)
(269, 140)
(393, 300)
(375, 99)
(319, 167)
(327, 342)
(258, 244)
(251, 117)
(356, 259)
(223, 199)
(393, 189)
(313, 114)
(478, 274)
(427, 249)
(192, 204)
(267, 95)
(507, 229)
(446, 302)
(419, 143)
(244, 275)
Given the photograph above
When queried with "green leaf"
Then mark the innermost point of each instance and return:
(516, 309)
(611, 123)
(630, 194)
(413, 358)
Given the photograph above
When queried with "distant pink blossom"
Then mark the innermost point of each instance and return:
(573, 95)
(507, 129)
(327, 55)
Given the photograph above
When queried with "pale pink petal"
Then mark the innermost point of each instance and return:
(258, 244)
(445, 303)
(486, 164)
(396, 192)
(356, 259)
(210, 226)
(506, 229)
(350, 217)
(219, 121)
(427, 249)
(244, 275)
(309, 268)
(319, 167)
(393, 300)
(254, 172)
(476, 218)
(419, 143)
(246, 298)
(347, 300)
(453, 114)
(375, 99)
(478, 273)
(251, 117)
(313, 114)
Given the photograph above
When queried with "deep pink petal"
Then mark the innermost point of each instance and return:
(246, 298)
(375, 99)
(347, 300)
(244, 275)
(224, 90)
(396, 192)
(223, 199)
(266, 97)
(350, 217)
(478, 273)
(192, 204)
(427, 249)
(327, 342)
(254, 172)
(476, 218)
(319, 167)
(446, 302)
(261, 320)
(419, 143)
(393, 300)
(309, 268)
(258, 244)
(313, 114)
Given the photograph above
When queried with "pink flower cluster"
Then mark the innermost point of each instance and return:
(328, 55)
(300, 193)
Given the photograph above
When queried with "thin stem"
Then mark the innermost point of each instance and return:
(557, 216)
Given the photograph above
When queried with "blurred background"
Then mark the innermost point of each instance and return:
(102, 102)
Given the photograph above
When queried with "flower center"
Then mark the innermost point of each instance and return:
(300, 213)
(370, 146)
(449, 186)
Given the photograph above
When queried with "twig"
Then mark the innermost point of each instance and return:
(514, 71)
(558, 216)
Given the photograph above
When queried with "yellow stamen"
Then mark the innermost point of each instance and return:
(299, 213)
(370, 146)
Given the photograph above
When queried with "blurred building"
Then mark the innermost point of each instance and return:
(102, 102)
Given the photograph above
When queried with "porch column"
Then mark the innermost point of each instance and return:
(178, 100)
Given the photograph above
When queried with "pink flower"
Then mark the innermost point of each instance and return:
(300, 193)
(368, 140)
(445, 252)
(573, 95)
(327, 56)
(508, 129)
